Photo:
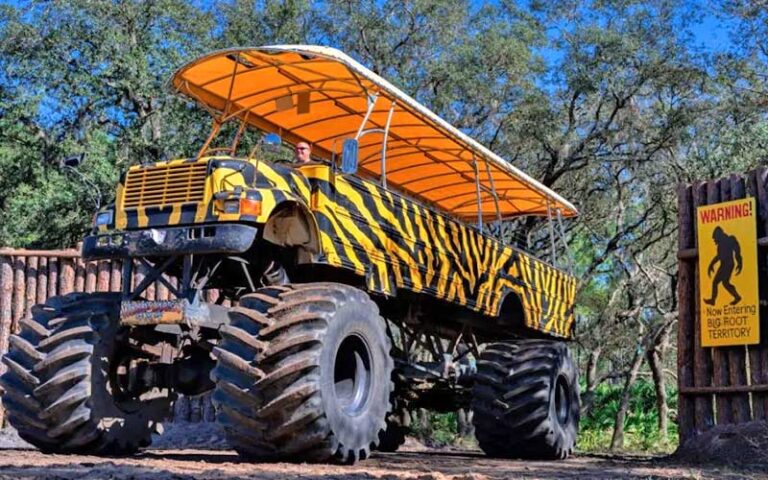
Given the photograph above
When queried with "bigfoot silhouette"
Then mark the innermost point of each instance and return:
(727, 249)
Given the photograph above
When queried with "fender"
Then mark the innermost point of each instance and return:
(291, 224)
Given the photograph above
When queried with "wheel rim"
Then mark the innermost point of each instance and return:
(562, 400)
(352, 375)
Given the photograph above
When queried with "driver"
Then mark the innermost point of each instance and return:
(302, 153)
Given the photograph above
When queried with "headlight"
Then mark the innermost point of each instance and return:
(103, 218)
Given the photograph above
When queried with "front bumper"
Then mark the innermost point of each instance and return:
(201, 239)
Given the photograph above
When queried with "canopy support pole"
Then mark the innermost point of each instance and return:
(384, 146)
(239, 134)
(371, 104)
(229, 92)
(479, 198)
(214, 131)
(495, 196)
(567, 247)
(551, 233)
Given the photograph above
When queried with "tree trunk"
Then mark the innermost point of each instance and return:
(655, 357)
(588, 397)
(617, 441)
(464, 423)
(423, 421)
(654, 361)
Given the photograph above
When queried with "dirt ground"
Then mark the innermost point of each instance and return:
(199, 450)
(421, 465)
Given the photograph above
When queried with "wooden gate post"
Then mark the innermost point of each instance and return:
(686, 317)
(724, 384)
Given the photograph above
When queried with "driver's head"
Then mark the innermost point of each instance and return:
(302, 152)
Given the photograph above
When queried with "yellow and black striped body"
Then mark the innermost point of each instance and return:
(393, 242)
(397, 243)
(184, 192)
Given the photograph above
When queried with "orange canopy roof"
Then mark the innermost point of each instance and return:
(321, 96)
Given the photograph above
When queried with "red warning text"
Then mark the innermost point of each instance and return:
(728, 212)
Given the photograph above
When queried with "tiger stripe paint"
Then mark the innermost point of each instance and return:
(395, 243)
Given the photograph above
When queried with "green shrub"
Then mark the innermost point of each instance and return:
(641, 431)
(437, 430)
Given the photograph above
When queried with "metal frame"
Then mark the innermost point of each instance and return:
(494, 193)
(372, 99)
(426, 152)
(356, 77)
(190, 283)
(384, 146)
(479, 187)
(215, 128)
(384, 131)
(439, 357)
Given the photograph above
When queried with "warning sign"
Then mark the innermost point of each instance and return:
(727, 238)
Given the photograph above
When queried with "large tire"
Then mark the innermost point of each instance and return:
(58, 393)
(303, 374)
(393, 437)
(526, 400)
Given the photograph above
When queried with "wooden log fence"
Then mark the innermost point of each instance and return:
(29, 277)
(722, 385)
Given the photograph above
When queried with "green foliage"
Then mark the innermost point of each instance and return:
(86, 77)
(437, 430)
(595, 431)
(641, 425)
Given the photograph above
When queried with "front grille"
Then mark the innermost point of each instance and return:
(165, 185)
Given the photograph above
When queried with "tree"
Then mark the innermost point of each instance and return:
(86, 77)
(610, 103)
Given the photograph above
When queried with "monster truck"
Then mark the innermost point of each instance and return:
(351, 289)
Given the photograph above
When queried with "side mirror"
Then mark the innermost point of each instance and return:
(72, 161)
(349, 153)
(272, 142)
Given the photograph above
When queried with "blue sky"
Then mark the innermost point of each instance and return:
(713, 33)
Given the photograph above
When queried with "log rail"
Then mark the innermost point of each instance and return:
(29, 277)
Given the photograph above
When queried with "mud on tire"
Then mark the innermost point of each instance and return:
(57, 384)
(303, 374)
(526, 400)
